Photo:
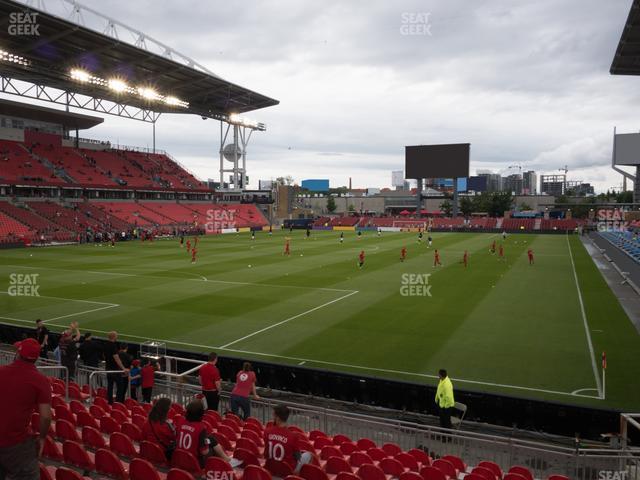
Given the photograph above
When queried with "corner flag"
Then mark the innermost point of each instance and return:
(604, 361)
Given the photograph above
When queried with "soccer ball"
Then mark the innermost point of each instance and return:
(249, 266)
(301, 255)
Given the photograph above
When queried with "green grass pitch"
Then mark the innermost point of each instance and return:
(497, 326)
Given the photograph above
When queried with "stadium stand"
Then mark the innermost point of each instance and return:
(18, 166)
(625, 241)
(76, 446)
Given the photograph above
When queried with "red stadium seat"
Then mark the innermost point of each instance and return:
(315, 434)
(130, 403)
(120, 407)
(217, 468)
(248, 444)
(330, 451)
(494, 467)
(432, 473)
(108, 464)
(119, 417)
(254, 472)
(336, 465)
(46, 473)
(138, 410)
(391, 449)
(179, 474)
(293, 477)
(102, 403)
(153, 453)
(85, 419)
(277, 468)
(514, 476)
(51, 450)
(139, 420)
(369, 471)
(338, 439)
(253, 421)
(227, 431)
(74, 454)
(108, 425)
(377, 454)
(76, 394)
(474, 476)
(213, 415)
(92, 438)
(313, 472)
(408, 461)
(446, 467)
(365, 444)
(66, 431)
(140, 469)
(62, 412)
(456, 462)
(132, 431)
(347, 448)
(247, 457)
(63, 473)
(97, 411)
(484, 473)
(321, 442)
(391, 466)
(252, 435)
(184, 460)
(347, 476)
(421, 456)
(520, 470)
(410, 476)
(359, 458)
(77, 406)
(122, 445)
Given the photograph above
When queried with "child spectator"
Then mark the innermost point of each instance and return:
(135, 375)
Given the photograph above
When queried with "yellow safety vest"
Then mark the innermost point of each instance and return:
(444, 393)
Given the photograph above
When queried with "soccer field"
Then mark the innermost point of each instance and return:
(497, 326)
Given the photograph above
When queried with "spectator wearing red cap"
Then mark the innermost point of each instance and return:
(30, 391)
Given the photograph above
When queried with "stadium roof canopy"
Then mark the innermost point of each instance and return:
(74, 59)
(626, 61)
(68, 120)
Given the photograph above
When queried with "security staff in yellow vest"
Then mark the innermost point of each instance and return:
(444, 398)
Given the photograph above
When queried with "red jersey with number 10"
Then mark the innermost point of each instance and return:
(190, 438)
(281, 444)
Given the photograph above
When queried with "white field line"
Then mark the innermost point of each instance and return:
(287, 320)
(105, 306)
(201, 279)
(585, 323)
(335, 364)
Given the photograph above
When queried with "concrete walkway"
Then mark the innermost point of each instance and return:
(620, 271)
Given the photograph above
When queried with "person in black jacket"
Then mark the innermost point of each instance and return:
(123, 381)
(90, 351)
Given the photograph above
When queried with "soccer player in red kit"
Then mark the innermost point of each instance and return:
(193, 255)
(530, 255)
(188, 246)
(436, 258)
(287, 250)
(282, 444)
(501, 251)
(403, 254)
(465, 259)
(361, 259)
(493, 247)
(195, 241)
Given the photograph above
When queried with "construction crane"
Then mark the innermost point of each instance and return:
(565, 169)
(519, 167)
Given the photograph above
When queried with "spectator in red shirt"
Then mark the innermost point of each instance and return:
(148, 379)
(159, 429)
(281, 444)
(245, 385)
(30, 391)
(192, 435)
(210, 381)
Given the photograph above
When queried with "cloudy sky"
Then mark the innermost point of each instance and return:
(526, 83)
